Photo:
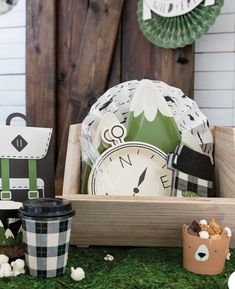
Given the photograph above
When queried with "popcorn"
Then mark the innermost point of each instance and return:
(77, 274)
(109, 258)
(18, 267)
(5, 270)
(228, 255)
(3, 259)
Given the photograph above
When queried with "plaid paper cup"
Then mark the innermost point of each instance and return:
(46, 237)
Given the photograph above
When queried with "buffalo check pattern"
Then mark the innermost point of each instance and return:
(184, 162)
(47, 244)
(186, 183)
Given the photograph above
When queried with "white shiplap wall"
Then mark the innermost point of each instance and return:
(215, 69)
(12, 61)
(214, 65)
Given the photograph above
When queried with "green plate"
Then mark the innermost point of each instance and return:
(178, 31)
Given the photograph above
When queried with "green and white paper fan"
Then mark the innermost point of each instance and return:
(178, 31)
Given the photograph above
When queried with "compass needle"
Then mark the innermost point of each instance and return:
(141, 179)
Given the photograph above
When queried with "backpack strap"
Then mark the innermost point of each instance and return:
(33, 192)
(5, 173)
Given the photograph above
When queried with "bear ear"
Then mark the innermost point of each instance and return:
(185, 227)
(224, 234)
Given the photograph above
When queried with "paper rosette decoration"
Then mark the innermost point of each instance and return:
(117, 100)
(177, 31)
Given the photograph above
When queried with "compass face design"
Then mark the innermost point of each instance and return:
(131, 169)
(171, 8)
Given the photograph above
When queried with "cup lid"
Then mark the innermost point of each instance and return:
(47, 208)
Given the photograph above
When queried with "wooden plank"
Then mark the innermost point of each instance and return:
(12, 98)
(214, 80)
(225, 160)
(115, 71)
(169, 69)
(12, 82)
(214, 98)
(12, 50)
(40, 63)
(12, 66)
(223, 23)
(137, 51)
(141, 59)
(215, 43)
(91, 74)
(214, 61)
(71, 20)
(219, 116)
(228, 7)
(73, 162)
(7, 110)
(21, 6)
(135, 221)
(12, 35)
(13, 19)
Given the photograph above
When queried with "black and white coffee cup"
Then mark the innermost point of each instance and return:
(46, 234)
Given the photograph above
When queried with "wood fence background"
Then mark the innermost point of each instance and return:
(76, 49)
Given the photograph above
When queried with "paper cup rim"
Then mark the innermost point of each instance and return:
(10, 205)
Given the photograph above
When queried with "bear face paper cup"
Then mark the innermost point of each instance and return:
(204, 256)
(46, 234)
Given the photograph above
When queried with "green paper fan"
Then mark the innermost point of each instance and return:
(178, 31)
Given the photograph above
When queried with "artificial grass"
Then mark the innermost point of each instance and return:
(132, 268)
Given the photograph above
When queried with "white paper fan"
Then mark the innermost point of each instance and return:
(185, 111)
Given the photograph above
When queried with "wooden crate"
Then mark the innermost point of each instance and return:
(147, 221)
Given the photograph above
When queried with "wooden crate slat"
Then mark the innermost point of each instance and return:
(136, 221)
(72, 177)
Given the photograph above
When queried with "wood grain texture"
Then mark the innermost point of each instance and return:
(95, 55)
(72, 175)
(71, 19)
(225, 160)
(115, 70)
(137, 51)
(141, 59)
(149, 221)
(76, 50)
(128, 221)
(40, 63)
(170, 69)
(94, 61)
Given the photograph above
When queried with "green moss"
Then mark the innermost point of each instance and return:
(132, 268)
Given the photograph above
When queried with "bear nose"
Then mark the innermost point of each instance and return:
(201, 255)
